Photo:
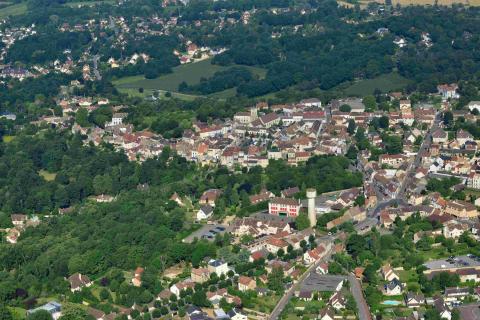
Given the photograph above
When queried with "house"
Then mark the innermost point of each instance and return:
(393, 160)
(337, 301)
(388, 274)
(322, 268)
(96, 314)
(205, 212)
(393, 288)
(246, 283)
(439, 136)
(78, 281)
(236, 314)
(461, 209)
(200, 275)
(305, 295)
(137, 277)
(218, 266)
(289, 192)
(474, 105)
(326, 314)
(210, 196)
(454, 294)
(448, 91)
(442, 308)
(454, 229)
(284, 207)
(263, 196)
(18, 220)
(179, 286)
(312, 102)
(273, 245)
(175, 197)
(414, 300)
(53, 308)
(312, 256)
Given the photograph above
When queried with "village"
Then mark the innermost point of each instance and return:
(282, 255)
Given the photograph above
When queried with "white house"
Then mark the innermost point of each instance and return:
(204, 212)
(218, 266)
(393, 288)
(474, 105)
(236, 314)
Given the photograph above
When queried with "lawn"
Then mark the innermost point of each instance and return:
(79, 4)
(13, 10)
(7, 139)
(47, 176)
(190, 73)
(385, 83)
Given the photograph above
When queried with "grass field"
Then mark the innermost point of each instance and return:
(190, 73)
(79, 4)
(47, 175)
(13, 10)
(7, 139)
(385, 83)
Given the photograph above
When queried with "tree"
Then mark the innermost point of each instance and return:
(447, 118)
(81, 117)
(275, 280)
(5, 314)
(345, 108)
(40, 315)
(73, 312)
(370, 103)
(351, 127)
(302, 222)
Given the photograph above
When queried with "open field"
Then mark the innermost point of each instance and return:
(47, 176)
(7, 139)
(13, 10)
(385, 83)
(79, 4)
(190, 73)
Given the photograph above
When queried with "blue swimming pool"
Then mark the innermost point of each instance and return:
(391, 302)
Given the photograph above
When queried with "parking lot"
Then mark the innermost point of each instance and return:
(322, 282)
(207, 232)
(460, 262)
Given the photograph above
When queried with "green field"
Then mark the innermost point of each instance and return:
(190, 73)
(385, 83)
(13, 10)
(79, 4)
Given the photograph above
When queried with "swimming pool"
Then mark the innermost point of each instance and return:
(391, 302)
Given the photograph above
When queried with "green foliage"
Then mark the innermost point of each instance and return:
(40, 315)
(302, 222)
(442, 185)
(5, 314)
(275, 280)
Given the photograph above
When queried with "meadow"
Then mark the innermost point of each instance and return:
(191, 73)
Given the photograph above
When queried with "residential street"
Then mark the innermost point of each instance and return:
(357, 292)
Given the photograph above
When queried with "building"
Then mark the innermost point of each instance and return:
(439, 136)
(246, 283)
(218, 266)
(53, 308)
(200, 275)
(78, 281)
(236, 314)
(448, 91)
(312, 256)
(414, 300)
(393, 160)
(284, 207)
(393, 288)
(205, 212)
(337, 301)
(461, 209)
(137, 277)
(388, 274)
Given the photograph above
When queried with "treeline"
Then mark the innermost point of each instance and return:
(48, 46)
(220, 81)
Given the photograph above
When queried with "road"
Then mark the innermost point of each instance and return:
(288, 295)
(98, 76)
(357, 292)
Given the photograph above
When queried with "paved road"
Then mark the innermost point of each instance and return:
(288, 295)
(95, 67)
(357, 292)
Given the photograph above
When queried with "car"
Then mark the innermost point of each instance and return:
(220, 228)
